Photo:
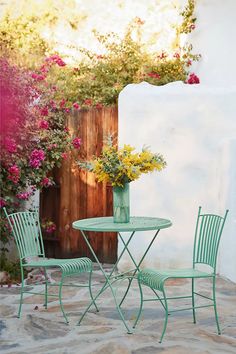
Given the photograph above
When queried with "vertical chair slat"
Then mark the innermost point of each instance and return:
(18, 233)
(209, 239)
(213, 232)
(216, 240)
(199, 238)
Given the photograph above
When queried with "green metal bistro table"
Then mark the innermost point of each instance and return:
(106, 224)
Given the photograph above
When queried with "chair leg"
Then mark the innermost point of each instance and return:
(60, 300)
(90, 290)
(126, 292)
(21, 292)
(215, 309)
(46, 290)
(166, 316)
(141, 305)
(193, 302)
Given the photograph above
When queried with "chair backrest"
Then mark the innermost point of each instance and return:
(208, 232)
(26, 230)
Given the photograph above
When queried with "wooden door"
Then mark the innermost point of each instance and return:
(78, 195)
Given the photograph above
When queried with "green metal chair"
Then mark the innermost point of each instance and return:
(26, 230)
(208, 232)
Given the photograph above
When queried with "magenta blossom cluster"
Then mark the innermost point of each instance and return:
(50, 229)
(76, 105)
(36, 158)
(76, 143)
(10, 145)
(48, 226)
(24, 195)
(14, 173)
(43, 124)
(44, 111)
(46, 182)
(55, 59)
(193, 79)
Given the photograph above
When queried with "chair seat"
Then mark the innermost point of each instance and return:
(156, 278)
(68, 266)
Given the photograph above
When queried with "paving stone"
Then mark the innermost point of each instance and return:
(43, 331)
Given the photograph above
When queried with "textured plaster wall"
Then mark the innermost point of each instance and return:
(194, 127)
(214, 37)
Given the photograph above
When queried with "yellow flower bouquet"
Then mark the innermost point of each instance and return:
(119, 166)
(123, 165)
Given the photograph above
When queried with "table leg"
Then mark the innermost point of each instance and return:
(107, 283)
(136, 265)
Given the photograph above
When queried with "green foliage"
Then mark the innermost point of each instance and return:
(98, 79)
(188, 23)
(24, 24)
(21, 41)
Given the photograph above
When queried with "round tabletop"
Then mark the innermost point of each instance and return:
(106, 224)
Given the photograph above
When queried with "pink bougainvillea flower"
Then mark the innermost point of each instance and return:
(189, 62)
(50, 228)
(55, 59)
(51, 146)
(62, 103)
(44, 69)
(44, 111)
(61, 62)
(64, 155)
(14, 169)
(76, 105)
(10, 145)
(193, 79)
(67, 110)
(38, 77)
(14, 173)
(154, 75)
(24, 195)
(53, 104)
(43, 124)
(36, 158)
(88, 102)
(66, 129)
(99, 105)
(46, 182)
(76, 142)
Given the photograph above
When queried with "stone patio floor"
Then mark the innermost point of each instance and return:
(44, 331)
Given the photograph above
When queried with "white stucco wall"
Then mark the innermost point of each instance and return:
(214, 37)
(194, 127)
